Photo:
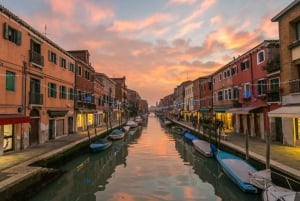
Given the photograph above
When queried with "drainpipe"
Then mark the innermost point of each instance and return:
(23, 107)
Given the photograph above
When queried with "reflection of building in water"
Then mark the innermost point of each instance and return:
(91, 173)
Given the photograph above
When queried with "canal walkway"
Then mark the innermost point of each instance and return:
(15, 167)
(285, 159)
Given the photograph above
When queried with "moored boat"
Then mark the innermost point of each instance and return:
(202, 147)
(116, 134)
(236, 169)
(189, 136)
(100, 145)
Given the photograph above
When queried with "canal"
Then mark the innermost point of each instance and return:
(150, 164)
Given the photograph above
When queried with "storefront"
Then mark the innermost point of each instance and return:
(290, 124)
(10, 126)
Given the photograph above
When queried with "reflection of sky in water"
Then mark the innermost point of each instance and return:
(154, 166)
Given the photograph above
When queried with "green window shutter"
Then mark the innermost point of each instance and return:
(19, 38)
(5, 31)
(10, 81)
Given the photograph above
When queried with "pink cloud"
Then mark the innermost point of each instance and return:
(199, 11)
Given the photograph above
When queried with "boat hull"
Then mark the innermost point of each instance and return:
(202, 147)
(100, 146)
(237, 170)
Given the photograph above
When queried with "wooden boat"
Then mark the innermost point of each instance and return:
(190, 136)
(271, 192)
(202, 147)
(100, 145)
(126, 128)
(278, 193)
(236, 169)
(131, 123)
(116, 134)
(178, 130)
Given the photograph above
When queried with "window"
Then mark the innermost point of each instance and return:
(35, 54)
(10, 81)
(274, 93)
(260, 56)
(220, 95)
(52, 57)
(62, 92)
(12, 34)
(87, 75)
(71, 67)
(227, 94)
(245, 65)
(63, 63)
(247, 92)
(233, 70)
(224, 74)
(261, 87)
(274, 84)
(235, 93)
(71, 94)
(220, 76)
(52, 90)
(79, 70)
(298, 30)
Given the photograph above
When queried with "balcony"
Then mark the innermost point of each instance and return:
(85, 105)
(294, 86)
(36, 58)
(35, 98)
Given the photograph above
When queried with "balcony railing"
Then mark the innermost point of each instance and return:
(35, 98)
(294, 86)
(85, 105)
(36, 58)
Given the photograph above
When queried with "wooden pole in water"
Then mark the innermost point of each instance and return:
(89, 135)
(268, 150)
(247, 138)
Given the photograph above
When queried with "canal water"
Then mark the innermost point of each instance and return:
(149, 164)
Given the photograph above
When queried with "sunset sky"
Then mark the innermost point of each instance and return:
(156, 44)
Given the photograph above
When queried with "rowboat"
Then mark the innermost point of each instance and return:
(100, 145)
(202, 147)
(236, 169)
(190, 136)
(272, 192)
(116, 134)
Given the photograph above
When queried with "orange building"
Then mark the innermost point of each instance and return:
(37, 89)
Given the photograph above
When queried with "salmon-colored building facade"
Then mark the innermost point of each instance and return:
(37, 98)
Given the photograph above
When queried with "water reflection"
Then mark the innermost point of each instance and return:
(151, 164)
(210, 171)
(90, 173)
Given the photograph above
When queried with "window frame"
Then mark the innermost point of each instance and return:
(11, 34)
(52, 90)
(10, 81)
(261, 52)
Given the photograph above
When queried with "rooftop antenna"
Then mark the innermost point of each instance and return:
(45, 33)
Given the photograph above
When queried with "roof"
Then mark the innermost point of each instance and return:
(285, 10)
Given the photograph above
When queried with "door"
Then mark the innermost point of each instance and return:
(51, 129)
(278, 130)
(34, 127)
(70, 125)
(59, 127)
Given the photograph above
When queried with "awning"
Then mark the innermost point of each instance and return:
(286, 111)
(204, 110)
(13, 119)
(220, 109)
(242, 110)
